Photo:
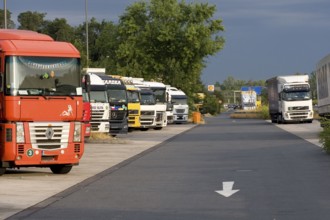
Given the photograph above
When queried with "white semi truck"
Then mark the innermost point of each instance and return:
(290, 99)
(179, 102)
(147, 105)
(159, 90)
(100, 107)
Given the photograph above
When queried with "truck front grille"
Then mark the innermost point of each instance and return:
(298, 115)
(98, 115)
(147, 112)
(179, 111)
(49, 135)
(297, 108)
(118, 115)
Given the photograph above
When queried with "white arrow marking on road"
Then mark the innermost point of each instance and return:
(227, 189)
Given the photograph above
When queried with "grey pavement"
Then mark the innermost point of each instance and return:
(21, 189)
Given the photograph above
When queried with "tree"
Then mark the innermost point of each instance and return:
(10, 23)
(59, 30)
(168, 41)
(33, 21)
(312, 83)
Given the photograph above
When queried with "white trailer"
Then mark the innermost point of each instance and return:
(249, 100)
(323, 85)
(290, 99)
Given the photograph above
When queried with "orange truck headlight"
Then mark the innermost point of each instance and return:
(20, 136)
(77, 132)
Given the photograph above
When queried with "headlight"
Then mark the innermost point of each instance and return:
(77, 132)
(20, 137)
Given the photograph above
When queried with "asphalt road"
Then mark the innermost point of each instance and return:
(279, 176)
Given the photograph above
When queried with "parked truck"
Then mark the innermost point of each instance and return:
(249, 100)
(41, 102)
(323, 84)
(159, 90)
(290, 99)
(134, 106)
(148, 106)
(134, 99)
(179, 101)
(100, 107)
(117, 96)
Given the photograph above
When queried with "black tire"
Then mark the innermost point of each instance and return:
(60, 169)
(279, 119)
(2, 171)
(158, 128)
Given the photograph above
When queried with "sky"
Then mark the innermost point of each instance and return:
(264, 38)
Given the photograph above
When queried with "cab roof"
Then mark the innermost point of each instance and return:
(30, 43)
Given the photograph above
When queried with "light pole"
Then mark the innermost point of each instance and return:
(86, 21)
(5, 12)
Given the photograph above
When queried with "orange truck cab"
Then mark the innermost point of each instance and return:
(41, 103)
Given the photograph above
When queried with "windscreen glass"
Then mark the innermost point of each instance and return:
(34, 76)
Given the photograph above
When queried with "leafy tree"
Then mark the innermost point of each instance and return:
(59, 30)
(33, 21)
(10, 23)
(99, 51)
(168, 41)
(106, 46)
(313, 85)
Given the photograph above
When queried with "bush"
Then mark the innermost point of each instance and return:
(264, 112)
(325, 135)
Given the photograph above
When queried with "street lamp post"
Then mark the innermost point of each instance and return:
(5, 12)
(87, 47)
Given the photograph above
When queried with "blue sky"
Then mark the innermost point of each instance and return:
(264, 38)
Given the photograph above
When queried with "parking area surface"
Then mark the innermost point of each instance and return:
(27, 187)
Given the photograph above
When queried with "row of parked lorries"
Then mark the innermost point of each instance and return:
(116, 104)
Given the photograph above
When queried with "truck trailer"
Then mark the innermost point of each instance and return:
(42, 103)
(290, 99)
(323, 85)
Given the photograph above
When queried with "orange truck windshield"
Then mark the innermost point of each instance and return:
(40, 76)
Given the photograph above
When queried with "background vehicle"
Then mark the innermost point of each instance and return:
(117, 96)
(323, 80)
(179, 101)
(133, 98)
(100, 114)
(148, 109)
(289, 99)
(41, 99)
(159, 90)
(249, 100)
(134, 106)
